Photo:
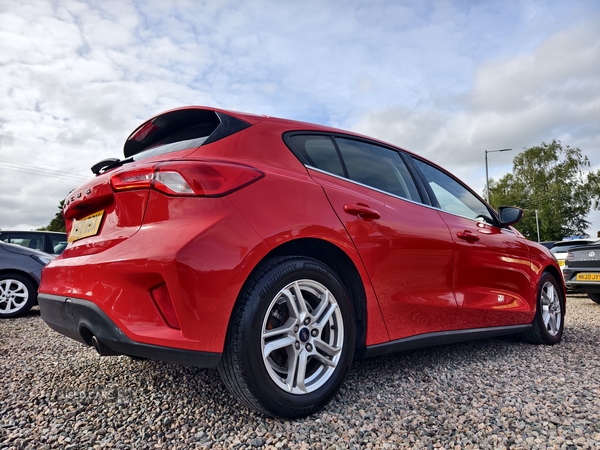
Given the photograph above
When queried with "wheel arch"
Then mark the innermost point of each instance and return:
(35, 282)
(29, 277)
(559, 279)
(553, 271)
(338, 261)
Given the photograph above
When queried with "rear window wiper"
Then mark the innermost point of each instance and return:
(108, 163)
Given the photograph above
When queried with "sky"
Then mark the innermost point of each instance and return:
(444, 79)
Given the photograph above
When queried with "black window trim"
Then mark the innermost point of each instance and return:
(339, 154)
(416, 176)
(422, 186)
(349, 180)
(429, 200)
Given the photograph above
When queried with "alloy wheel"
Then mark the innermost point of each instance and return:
(13, 296)
(551, 310)
(302, 337)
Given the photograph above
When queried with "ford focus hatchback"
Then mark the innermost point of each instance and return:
(279, 251)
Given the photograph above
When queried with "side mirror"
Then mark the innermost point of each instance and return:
(509, 215)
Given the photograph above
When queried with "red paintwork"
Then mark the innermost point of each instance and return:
(419, 276)
(407, 253)
(492, 275)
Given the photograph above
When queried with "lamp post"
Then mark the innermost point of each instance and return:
(487, 180)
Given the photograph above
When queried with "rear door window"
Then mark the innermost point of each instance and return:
(29, 240)
(377, 167)
(369, 164)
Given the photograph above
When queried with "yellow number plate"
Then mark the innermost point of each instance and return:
(561, 262)
(88, 226)
(588, 277)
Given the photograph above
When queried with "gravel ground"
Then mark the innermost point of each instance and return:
(493, 393)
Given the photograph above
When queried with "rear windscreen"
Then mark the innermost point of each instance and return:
(178, 130)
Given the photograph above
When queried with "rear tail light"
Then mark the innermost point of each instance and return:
(570, 256)
(172, 183)
(188, 178)
(132, 179)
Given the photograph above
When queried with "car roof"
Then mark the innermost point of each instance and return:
(140, 134)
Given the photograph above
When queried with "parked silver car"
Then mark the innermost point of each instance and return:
(20, 270)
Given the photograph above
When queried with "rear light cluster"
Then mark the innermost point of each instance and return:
(188, 178)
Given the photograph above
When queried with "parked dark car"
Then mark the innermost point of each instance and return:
(20, 270)
(279, 251)
(560, 249)
(51, 242)
(582, 270)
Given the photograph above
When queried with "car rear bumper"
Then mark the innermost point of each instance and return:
(81, 320)
(583, 286)
(202, 254)
(570, 274)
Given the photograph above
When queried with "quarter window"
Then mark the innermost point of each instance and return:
(319, 152)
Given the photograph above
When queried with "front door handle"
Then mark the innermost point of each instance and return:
(362, 211)
(468, 236)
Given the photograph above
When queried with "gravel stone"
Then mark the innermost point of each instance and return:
(493, 393)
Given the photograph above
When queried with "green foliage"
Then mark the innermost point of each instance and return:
(550, 178)
(58, 222)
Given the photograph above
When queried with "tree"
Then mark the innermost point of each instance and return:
(551, 179)
(58, 222)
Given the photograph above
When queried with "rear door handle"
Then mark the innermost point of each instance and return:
(468, 236)
(362, 211)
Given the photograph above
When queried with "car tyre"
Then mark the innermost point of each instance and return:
(291, 338)
(17, 295)
(548, 323)
(595, 297)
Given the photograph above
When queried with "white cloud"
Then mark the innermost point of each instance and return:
(551, 93)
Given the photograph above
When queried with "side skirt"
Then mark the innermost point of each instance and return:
(441, 338)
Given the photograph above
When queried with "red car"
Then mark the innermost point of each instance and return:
(278, 251)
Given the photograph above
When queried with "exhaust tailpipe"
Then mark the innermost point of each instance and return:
(102, 349)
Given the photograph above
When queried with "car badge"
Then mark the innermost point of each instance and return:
(591, 254)
(304, 334)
